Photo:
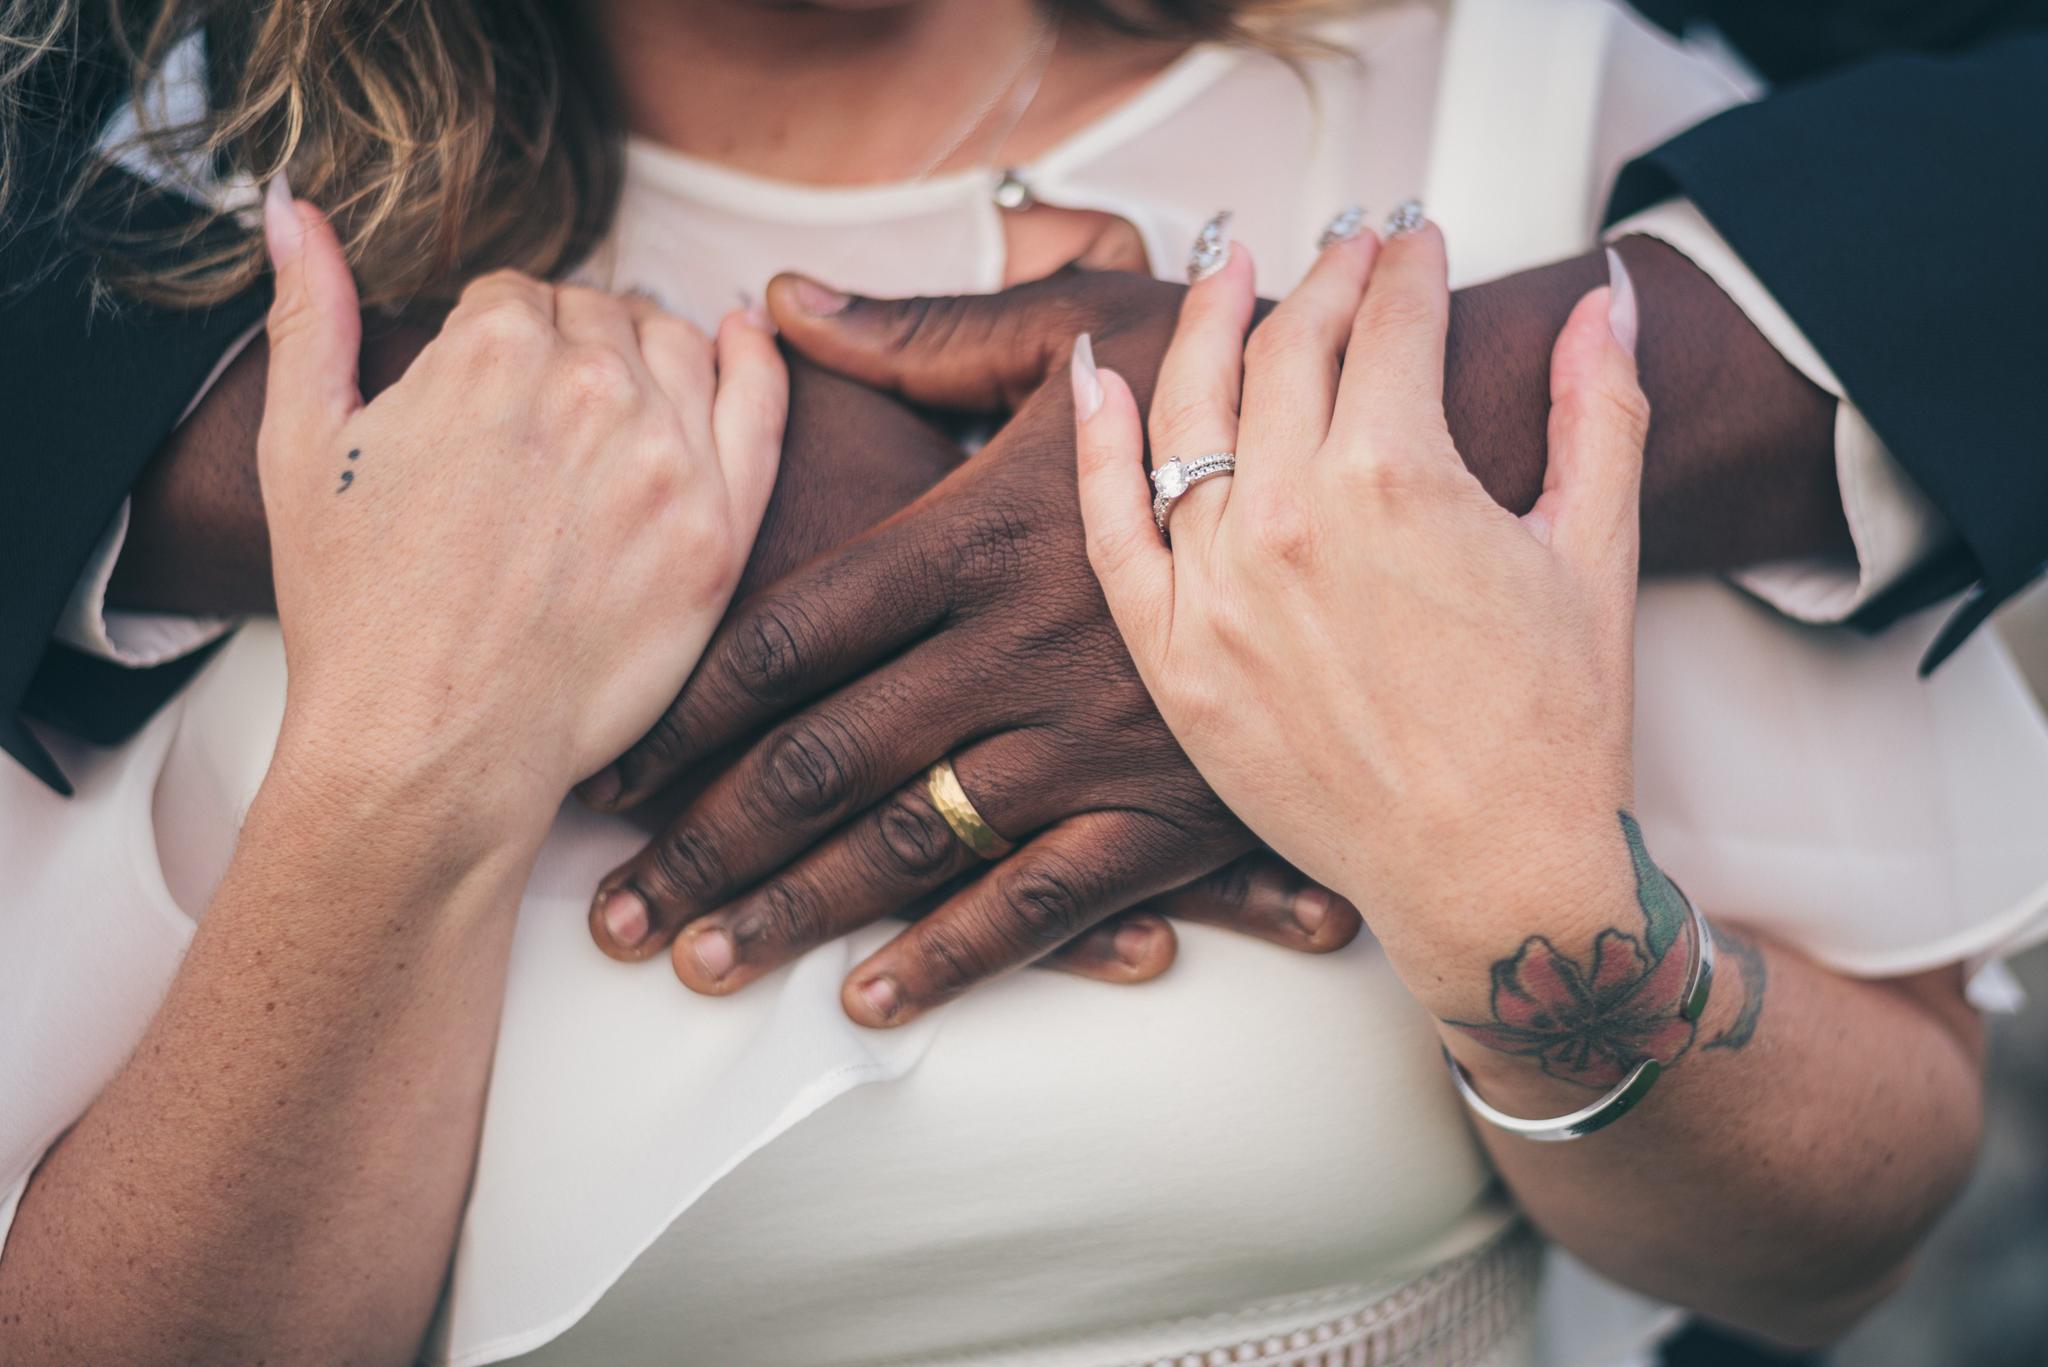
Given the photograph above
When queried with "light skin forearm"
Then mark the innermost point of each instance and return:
(1762, 1181)
(278, 1172)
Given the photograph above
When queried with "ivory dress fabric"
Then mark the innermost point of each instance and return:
(1052, 1171)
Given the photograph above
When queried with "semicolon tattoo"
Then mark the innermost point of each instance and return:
(1589, 1021)
(1743, 954)
(348, 477)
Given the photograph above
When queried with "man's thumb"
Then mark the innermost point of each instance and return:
(315, 325)
(977, 351)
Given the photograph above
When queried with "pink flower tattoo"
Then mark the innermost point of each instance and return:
(1590, 1022)
(1587, 1024)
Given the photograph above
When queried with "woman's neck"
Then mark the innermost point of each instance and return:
(832, 96)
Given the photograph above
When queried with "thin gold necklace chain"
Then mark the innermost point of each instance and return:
(1021, 92)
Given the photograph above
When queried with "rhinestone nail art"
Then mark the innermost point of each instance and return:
(1406, 218)
(1211, 249)
(1348, 222)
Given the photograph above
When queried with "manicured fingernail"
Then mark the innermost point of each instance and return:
(601, 790)
(881, 997)
(714, 950)
(1621, 302)
(1134, 945)
(1348, 223)
(1408, 215)
(1211, 250)
(757, 316)
(625, 918)
(1087, 385)
(820, 301)
(282, 231)
(1312, 909)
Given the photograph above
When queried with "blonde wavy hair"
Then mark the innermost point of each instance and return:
(444, 137)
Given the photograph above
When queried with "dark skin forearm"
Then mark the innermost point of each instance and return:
(197, 542)
(1740, 465)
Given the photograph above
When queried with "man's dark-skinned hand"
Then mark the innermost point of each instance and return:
(852, 456)
(969, 626)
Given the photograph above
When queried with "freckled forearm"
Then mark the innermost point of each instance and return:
(279, 1170)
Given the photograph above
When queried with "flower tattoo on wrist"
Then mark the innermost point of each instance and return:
(1589, 1021)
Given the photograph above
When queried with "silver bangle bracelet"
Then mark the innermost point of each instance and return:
(1598, 1115)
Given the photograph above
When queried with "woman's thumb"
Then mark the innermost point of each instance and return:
(315, 325)
(1599, 420)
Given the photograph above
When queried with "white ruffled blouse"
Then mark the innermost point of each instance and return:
(1053, 1171)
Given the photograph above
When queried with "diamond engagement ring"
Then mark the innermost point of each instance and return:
(1177, 476)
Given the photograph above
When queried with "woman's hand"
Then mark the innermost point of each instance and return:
(490, 579)
(1424, 702)
(1412, 694)
(493, 577)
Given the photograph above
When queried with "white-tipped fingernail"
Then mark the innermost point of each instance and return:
(1347, 223)
(1211, 250)
(1087, 384)
(756, 314)
(282, 231)
(1622, 316)
(1408, 215)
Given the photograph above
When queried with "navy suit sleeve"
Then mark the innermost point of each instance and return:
(1898, 210)
(88, 392)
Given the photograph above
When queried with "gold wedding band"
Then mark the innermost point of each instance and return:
(951, 800)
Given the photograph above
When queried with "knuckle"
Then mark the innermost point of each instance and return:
(585, 297)
(675, 337)
(767, 661)
(686, 868)
(1199, 707)
(1628, 408)
(1180, 424)
(926, 323)
(784, 913)
(505, 328)
(947, 958)
(597, 379)
(666, 745)
(1229, 888)
(1402, 311)
(717, 554)
(911, 839)
(494, 281)
(811, 768)
(1045, 905)
(1283, 531)
(1286, 338)
(989, 547)
(644, 477)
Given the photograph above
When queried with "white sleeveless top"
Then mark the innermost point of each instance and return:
(1053, 1171)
